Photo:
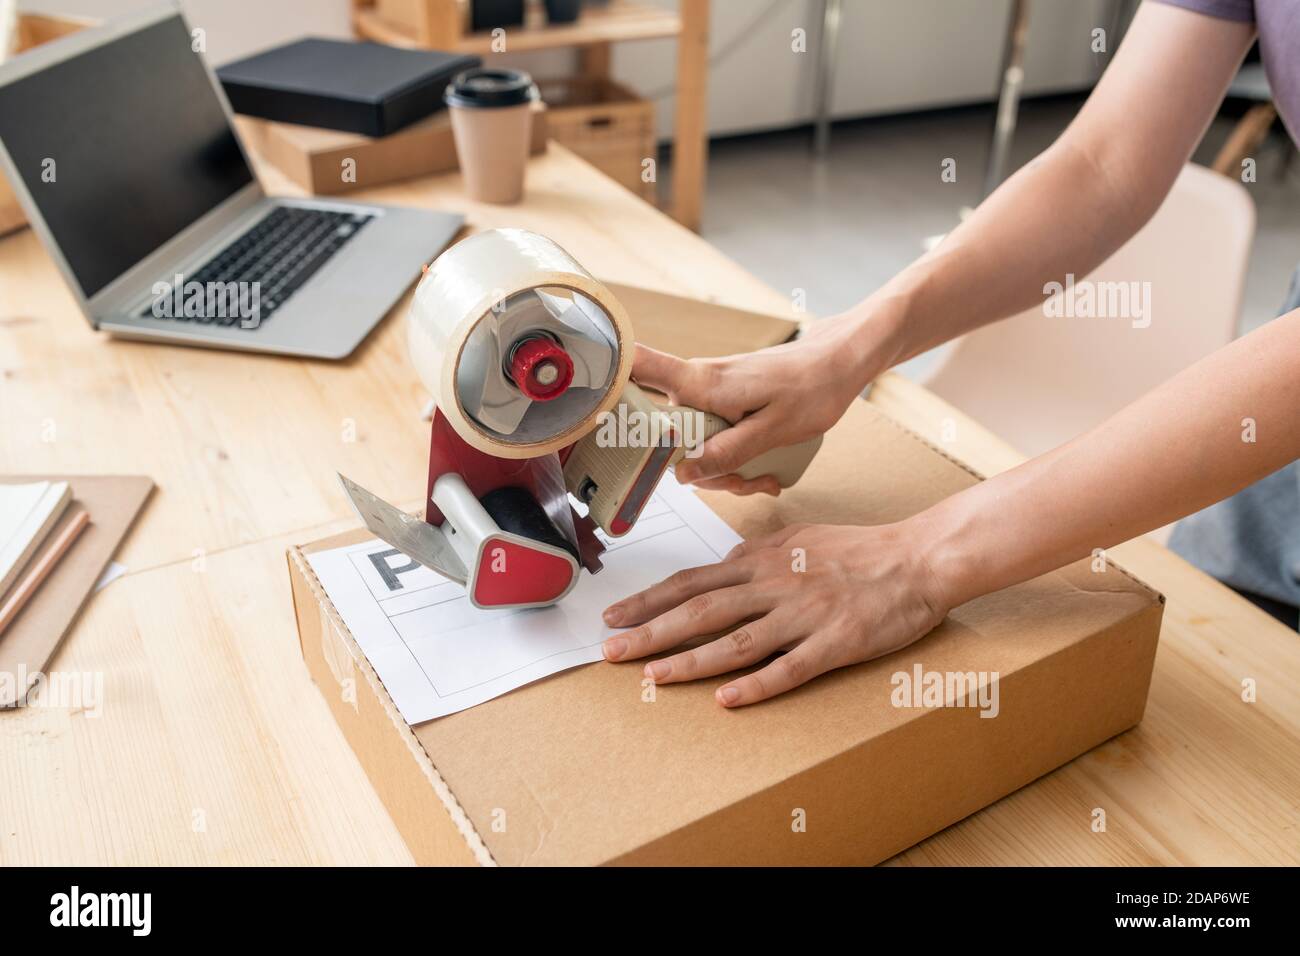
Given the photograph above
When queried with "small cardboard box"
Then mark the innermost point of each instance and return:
(315, 158)
(582, 768)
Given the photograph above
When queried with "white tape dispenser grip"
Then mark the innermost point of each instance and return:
(615, 469)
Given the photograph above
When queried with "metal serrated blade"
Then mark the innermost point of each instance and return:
(414, 537)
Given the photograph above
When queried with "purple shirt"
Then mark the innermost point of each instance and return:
(1278, 23)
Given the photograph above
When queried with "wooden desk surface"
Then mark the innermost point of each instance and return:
(214, 747)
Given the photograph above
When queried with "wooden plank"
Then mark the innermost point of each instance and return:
(691, 123)
(206, 742)
(616, 22)
(439, 23)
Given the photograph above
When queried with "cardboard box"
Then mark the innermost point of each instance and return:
(313, 157)
(605, 123)
(580, 768)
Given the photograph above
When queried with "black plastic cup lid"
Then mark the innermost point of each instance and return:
(490, 87)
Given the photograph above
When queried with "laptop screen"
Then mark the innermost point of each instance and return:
(121, 148)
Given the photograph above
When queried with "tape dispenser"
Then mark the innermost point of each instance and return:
(542, 448)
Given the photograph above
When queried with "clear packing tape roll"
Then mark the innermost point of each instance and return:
(474, 306)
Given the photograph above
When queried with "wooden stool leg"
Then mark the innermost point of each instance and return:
(1245, 139)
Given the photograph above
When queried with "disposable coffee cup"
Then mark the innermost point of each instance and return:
(492, 119)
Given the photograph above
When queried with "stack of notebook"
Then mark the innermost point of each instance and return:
(57, 534)
(38, 524)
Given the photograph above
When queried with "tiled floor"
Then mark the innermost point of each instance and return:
(841, 228)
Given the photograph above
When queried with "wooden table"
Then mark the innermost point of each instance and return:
(214, 747)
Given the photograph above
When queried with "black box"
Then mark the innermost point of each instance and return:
(365, 88)
(487, 15)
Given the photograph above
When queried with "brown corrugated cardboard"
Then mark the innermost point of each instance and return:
(580, 768)
(314, 158)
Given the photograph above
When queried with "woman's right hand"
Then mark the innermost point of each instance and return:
(774, 397)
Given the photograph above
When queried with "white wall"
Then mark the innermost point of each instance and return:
(894, 54)
(234, 28)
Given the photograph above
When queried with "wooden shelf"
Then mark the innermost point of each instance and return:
(439, 25)
(617, 22)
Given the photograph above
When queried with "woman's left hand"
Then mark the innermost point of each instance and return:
(825, 595)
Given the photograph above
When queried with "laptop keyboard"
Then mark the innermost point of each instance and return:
(279, 253)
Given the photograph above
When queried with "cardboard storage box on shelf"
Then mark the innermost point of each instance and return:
(314, 158)
(606, 124)
(582, 768)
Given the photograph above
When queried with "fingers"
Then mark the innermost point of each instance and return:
(736, 485)
(727, 451)
(774, 540)
(788, 671)
(659, 370)
(703, 614)
(672, 591)
(746, 645)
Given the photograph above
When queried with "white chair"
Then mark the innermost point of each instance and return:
(1038, 381)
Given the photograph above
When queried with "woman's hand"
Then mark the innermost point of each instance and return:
(826, 595)
(774, 397)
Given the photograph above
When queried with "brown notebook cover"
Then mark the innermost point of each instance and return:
(35, 572)
(30, 641)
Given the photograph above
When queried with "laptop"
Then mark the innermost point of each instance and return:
(119, 144)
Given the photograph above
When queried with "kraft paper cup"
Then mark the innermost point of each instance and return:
(491, 120)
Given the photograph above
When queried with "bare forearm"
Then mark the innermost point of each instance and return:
(996, 263)
(1077, 203)
(1222, 424)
